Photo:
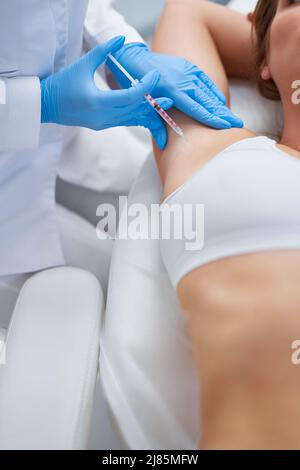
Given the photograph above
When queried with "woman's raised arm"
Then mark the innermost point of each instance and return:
(214, 37)
(207, 35)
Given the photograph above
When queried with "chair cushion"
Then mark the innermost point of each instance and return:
(47, 384)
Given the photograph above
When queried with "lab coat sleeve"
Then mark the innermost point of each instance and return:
(103, 22)
(20, 113)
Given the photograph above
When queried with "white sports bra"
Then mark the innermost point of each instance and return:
(250, 194)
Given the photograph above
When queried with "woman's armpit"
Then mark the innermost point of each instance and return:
(184, 156)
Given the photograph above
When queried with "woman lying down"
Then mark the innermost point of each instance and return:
(240, 293)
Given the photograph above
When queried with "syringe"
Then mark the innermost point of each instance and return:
(163, 114)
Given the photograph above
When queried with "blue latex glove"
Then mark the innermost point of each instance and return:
(191, 89)
(71, 98)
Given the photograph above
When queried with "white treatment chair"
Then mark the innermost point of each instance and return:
(52, 345)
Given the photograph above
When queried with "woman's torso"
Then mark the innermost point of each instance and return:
(229, 300)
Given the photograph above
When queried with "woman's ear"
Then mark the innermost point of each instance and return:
(250, 17)
(265, 72)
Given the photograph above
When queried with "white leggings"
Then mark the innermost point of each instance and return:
(81, 248)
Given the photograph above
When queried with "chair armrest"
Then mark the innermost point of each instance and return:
(47, 385)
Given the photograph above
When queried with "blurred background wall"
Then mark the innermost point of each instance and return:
(143, 14)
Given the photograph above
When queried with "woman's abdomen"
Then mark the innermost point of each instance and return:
(243, 315)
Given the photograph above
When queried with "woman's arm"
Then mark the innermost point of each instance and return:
(197, 30)
(214, 37)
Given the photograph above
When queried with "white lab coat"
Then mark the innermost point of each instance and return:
(37, 38)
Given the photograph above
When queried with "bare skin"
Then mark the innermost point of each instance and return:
(243, 312)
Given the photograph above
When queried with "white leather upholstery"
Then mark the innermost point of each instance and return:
(47, 384)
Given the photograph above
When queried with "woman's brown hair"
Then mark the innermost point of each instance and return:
(264, 15)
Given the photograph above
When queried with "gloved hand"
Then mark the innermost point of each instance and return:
(191, 90)
(71, 98)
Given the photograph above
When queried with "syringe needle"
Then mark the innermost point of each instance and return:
(163, 114)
